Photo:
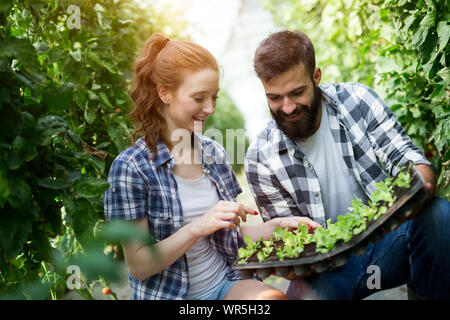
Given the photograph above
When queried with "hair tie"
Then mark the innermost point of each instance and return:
(166, 41)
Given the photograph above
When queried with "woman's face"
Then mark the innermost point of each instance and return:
(192, 102)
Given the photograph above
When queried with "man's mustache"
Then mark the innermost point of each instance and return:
(299, 108)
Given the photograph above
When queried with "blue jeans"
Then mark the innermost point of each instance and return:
(417, 253)
(222, 289)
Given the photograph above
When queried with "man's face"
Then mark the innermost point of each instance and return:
(294, 101)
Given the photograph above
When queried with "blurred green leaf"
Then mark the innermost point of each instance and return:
(55, 184)
(124, 231)
(89, 187)
(48, 125)
(59, 98)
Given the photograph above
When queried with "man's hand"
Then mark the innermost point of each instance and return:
(429, 178)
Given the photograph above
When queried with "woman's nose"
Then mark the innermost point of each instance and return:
(209, 108)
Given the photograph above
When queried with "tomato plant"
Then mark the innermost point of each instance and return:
(63, 104)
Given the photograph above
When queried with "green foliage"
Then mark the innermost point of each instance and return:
(63, 104)
(419, 88)
(398, 47)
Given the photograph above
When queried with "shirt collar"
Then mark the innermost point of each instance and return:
(163, 155)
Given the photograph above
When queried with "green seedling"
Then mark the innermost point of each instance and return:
(245, 253)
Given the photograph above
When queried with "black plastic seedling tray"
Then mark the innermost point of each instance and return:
(406, 207)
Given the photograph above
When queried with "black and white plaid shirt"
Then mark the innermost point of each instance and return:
(284, 182)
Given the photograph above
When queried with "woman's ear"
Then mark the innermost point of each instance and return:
(163, 94)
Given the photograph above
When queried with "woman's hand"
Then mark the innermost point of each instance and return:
(225, 214)
(266, 229)
(144, 262)
(291, 223)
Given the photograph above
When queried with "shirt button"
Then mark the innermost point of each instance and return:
(316, 194)
(221, 189)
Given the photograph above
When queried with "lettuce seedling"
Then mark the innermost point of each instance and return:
(292, 251)
(268, 243)
(403, 179)
(324, 242)
(280, 253)
(278, 233)
(302, 234)
(383, 192)
(289, 239)
(342, 229)
(245, 253)
(266, 250)
(264, 253)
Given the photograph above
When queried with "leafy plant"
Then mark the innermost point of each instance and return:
(302, 233)
(264, 253)
(244, 253)
(63, 105)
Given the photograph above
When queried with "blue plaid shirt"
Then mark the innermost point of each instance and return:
(283, 180)
(140, 187)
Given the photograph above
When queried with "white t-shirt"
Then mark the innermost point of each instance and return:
(206, 267)
(337, 183)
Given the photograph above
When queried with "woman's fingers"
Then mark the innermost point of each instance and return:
(240, 209)
(230, 214)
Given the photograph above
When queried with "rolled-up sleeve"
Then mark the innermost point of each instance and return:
(127, 196)
(391, 144)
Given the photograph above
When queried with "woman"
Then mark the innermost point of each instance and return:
(182, 192)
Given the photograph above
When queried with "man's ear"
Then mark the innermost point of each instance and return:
(163, 94)
(317, 76)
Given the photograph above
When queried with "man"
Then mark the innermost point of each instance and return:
(325, 145)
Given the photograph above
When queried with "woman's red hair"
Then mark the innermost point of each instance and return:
(162, 62)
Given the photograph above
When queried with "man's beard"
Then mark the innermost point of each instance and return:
(303, 127)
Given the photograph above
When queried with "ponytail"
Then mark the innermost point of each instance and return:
(146, 105)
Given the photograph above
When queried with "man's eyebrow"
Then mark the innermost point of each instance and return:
(268, 94)
(296, 89)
